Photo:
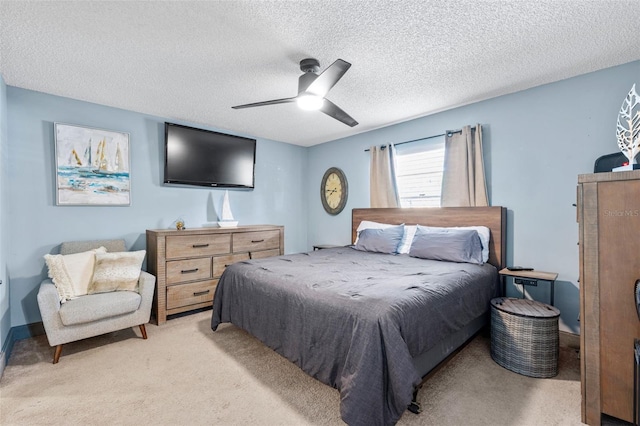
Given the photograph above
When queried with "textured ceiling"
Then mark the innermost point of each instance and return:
(193, 61)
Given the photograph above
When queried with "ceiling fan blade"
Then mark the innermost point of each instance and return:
(332, 110)
(273, 102)
(328, 78)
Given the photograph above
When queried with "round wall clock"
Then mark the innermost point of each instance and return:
(334, 190)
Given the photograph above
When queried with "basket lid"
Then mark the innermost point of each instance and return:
(525, 307)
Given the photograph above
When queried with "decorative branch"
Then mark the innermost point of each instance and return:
(628, 128)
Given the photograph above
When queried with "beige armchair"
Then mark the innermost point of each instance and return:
(94, 314)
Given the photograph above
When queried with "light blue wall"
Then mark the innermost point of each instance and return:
(536, 143)
(38, 226)
(5, 314)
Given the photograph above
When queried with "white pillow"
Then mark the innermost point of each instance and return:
(407, 239)
(483, 232)
(117, 271)
(72, 273)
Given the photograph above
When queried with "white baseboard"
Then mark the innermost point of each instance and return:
(569, 340)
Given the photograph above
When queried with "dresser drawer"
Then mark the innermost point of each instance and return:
(220, 263)
(197, 245)
(190, 294)
(188, 270)
(265, 253)
(256, 240)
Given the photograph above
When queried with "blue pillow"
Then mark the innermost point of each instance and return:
(380, 240)
(451, 245)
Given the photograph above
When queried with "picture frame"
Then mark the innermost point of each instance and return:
(93, 166)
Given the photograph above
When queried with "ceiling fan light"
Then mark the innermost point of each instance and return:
(309, 102)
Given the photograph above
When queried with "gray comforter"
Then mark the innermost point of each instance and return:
(354, 320)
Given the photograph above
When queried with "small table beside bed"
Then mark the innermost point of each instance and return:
(365, 320)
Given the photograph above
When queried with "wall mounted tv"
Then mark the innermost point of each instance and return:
(206, 158)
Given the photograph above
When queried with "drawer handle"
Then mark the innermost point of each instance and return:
(257, 241)
(200, 245)
(189, 271)
(201, 293)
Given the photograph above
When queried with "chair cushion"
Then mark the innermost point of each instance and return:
(117, 271)
(94, 307)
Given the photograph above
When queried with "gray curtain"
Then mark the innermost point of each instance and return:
(382, 182)
(463, 181)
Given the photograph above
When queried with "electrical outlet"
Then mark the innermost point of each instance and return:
(524, 281)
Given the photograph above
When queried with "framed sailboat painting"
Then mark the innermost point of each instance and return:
(92, 166)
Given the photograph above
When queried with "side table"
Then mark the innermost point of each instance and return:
(324, 246)
(530, 278)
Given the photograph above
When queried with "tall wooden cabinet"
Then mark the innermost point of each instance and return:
(609, 226)
(188, 263)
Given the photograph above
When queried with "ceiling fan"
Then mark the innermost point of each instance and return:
(312, 89)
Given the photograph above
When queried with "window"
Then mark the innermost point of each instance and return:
(419, 172)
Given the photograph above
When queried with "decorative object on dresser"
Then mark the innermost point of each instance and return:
(609, 223)
(628, 130)
(525, 336)
(179, 224)
(226, 217)
(80, 300)
(188, 263)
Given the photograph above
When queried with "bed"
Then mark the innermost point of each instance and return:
(372, 325)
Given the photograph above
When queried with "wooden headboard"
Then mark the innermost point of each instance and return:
(494, 218)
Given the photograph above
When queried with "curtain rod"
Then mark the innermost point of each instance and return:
(449, 133)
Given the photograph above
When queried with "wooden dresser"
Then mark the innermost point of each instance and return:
(609, 226)
(188, 263)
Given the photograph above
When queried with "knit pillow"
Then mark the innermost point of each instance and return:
(72, 273)
(117, 271)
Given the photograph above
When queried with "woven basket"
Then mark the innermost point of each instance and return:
(525, 345)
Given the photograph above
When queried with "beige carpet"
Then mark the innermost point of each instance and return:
(187, 374)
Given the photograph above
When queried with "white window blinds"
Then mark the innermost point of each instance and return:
(419, 172)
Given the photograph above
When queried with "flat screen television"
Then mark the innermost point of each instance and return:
(206, 158)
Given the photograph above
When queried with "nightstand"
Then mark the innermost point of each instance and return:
(324, 246)
(529, 278)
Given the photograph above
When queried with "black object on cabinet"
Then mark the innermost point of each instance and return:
(608, 162)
